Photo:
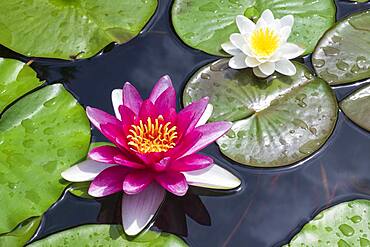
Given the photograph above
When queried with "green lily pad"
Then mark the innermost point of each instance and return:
(108, 235)
(70, 28)
(342, 55)
(206, 24)
(16, 79)
(22, 234)
(357, 107)
(343, 225)
(40, 136)
(276, 121)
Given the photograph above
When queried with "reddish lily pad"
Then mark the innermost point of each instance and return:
(40, 136)
(276, 121)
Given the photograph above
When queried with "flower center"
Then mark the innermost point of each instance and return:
(264, 42)
(155, 135)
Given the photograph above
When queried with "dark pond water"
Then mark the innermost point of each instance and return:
(273, 203)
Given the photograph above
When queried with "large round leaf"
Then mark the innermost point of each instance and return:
(70, 28)
(343, 56)
(277, 121)
(357, 107)
(344, 225)
(40, 136)
(16, 79)
(108, 235)
(206, 24)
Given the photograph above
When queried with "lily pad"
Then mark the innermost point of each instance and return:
(22, 234)
(70, 29)
(108, 235)
(277, 121)
(346, 224)
(206, 24)
(357, 107)
(40, 136)
(16, 79)
(342, 55)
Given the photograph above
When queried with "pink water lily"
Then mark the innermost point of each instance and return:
(155, 149)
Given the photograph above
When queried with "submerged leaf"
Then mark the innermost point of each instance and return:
(206, 24)
(357, 107)
(16, 79)
(277, 121)
(40, 136)
(70, 29)
(108, 235)
(342, 55)
(345, 224)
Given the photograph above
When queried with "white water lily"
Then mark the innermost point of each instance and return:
(263, 45)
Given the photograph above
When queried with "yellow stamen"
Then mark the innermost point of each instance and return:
(155, 135)
(264, 42)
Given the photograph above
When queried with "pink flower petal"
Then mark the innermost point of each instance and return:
(173, 182)
(108, 181)
(138, 210)
(162, 164)
(188, 117)
(137, 181)
(191, 162)
(166, 101)
(125, 161)
(162, 85)
(99, 117)
(131, 98)
(84, 171)
(148, 110)
(210, 133)
(127, 115)
(104, 154)
(114, 134)
(186, 143)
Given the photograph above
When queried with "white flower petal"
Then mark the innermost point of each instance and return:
(290, 51)
(214, 177)
(285, 33)
(258, 72)
(244, 24)
(285, 67)
(238, 40)
(231, 49)
(85, 171)
(268, 17)
(252, 62)
(139, 209)
(267, 68)
(287, 20)
(238, 62)
(117, 100)
(206, 115)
